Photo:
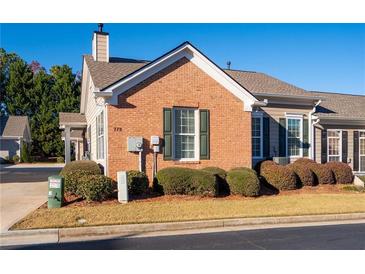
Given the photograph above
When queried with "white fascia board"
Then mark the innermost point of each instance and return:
(192, 55)
(84, 86)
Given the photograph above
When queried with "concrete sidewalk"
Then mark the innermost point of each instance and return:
(23, 188)
(22, 237)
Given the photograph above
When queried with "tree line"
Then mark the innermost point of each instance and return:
(28, 89)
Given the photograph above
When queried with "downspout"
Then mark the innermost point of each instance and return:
(312, 132)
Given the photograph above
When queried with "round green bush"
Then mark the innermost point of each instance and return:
(322, 173)
(137, 182)
(342, 172)
(16, 158)
(72, 180)
(304, 173)
(175, 180)
(280, 177)
(96, 187)
(83, 165)
(243, 182)
(220, 174)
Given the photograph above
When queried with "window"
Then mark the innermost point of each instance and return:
(362, 150)
(294, 136)
(334, 145)
(257, 137)
(185, 134)
(100, 136)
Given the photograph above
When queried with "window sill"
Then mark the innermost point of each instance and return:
(177, 162)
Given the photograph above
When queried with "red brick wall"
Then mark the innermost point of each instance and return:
(139, 113)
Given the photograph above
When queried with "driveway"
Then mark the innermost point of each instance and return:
(23, 188)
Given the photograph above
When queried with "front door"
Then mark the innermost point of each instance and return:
(362, 150)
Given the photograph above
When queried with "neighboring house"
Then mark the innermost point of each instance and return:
(202, 114)
(14, 133)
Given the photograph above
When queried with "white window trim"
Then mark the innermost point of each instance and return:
(260, 116)
(360, 138)
(196, 137)
(296, 117)
(340, 145)
(100, 156)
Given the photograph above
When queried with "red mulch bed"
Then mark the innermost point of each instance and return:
(75, 201)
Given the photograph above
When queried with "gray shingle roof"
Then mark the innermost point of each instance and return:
(104, 74)
(257, 82)
(13, 126)
(71, 118)
(333, 105)
(337, 105)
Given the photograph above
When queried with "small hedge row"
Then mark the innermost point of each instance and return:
(175, 180)
(243, 181)
(280, 177)
(307, 173)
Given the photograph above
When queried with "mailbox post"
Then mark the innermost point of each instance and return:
(55, 191)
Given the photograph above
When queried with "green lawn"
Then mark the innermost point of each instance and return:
(180, 209)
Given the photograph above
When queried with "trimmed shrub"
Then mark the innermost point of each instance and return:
(16, 158)
(243, 181)
(341, 171)
(263, 163)
(304, 161)
(175, 180)
(72, 180)
(280, 177)
(220, 175)
(25, 154)
(304, 173)
(83, 165)
(137, 182)
(60, 159)
(323, 174)
(96, 187)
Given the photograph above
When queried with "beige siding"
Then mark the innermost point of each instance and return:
(275, 113)
(317, 144)
(350, 148)
(92, 110)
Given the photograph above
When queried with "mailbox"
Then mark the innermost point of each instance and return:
(55, 191)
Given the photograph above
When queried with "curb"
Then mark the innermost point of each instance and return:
(55, 235)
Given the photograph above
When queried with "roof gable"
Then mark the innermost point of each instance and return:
(14, 126)
(185, 50)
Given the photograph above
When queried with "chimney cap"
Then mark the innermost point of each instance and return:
(100, 29)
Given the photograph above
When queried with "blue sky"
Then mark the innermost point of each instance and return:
(324, 57)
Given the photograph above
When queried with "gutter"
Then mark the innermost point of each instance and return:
(313, 123)
(260, 103)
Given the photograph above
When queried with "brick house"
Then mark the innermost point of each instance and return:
(197, 115)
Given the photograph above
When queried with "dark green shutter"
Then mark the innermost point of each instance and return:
(167, 133)
(356, 151)
(305, 138)
(282, 137)
(204, 134)
(266, 136)
(324, 146)
(344, 146)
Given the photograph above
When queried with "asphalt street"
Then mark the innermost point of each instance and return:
(328, 237)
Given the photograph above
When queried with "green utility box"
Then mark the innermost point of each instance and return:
(55, 191)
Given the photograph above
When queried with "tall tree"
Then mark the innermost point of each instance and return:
(66, 89)
(5, 60)
(18, 89)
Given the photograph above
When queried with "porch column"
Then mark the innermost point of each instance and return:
(67, 145)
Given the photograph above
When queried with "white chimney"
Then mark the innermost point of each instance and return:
(101, 45)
